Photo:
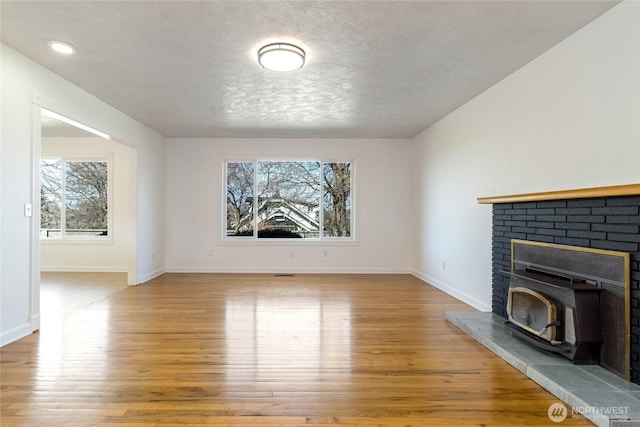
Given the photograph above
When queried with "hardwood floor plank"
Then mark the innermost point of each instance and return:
(227, 349)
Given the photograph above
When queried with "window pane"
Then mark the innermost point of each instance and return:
(337, 199)
(288, 199)
(50, 198)
(240, 184)
(86, 199)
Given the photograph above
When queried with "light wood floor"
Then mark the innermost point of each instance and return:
(63, 292)
(205, 349)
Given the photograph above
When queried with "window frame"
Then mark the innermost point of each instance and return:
(321, 239)
(78, 240)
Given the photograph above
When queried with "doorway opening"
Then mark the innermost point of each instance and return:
(85, 219)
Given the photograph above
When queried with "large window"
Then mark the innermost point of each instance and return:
(73, 199)
(289, 199)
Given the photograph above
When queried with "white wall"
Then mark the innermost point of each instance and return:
(23, 83)
(111, 255)
(567, 120)
(195, 204)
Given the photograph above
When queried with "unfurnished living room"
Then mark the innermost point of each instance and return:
(313, 213)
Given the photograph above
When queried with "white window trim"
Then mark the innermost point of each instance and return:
(93, 240)
(352, 240)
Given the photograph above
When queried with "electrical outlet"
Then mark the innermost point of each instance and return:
(292, 254)
(444, 265)
(325, 254)
(210, 252)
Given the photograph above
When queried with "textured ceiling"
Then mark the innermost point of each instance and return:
(374, 68)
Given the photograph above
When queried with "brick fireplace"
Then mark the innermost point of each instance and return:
(607, 218)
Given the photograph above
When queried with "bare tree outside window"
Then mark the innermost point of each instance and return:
(74, 199)
(289, 198)
(51, 197)
(86, 198)
(240, 186)
(337, 199)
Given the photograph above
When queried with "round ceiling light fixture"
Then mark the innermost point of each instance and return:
(62, 47)
(281, 57)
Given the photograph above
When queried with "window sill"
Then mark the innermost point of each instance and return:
(288, 242)
(63, 242)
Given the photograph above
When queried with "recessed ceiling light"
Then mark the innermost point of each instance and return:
(62, 47)
(281, 57)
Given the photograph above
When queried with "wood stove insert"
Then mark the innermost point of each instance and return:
(571, 301)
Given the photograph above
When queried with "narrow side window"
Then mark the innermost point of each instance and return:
(337, 199)
(240, 188)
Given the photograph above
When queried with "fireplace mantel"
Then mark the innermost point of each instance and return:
(583, 193)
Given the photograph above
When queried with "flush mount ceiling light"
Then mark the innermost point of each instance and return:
(281, 57)
(62, 47)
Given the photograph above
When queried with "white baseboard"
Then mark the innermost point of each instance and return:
(15, 334)
(466, 298)
(152, 275)
(287, 270)
(82, 269)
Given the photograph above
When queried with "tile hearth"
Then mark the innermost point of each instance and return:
(593, 392)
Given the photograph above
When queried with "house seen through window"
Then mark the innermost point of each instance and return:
(73, 199)
(289, 199)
